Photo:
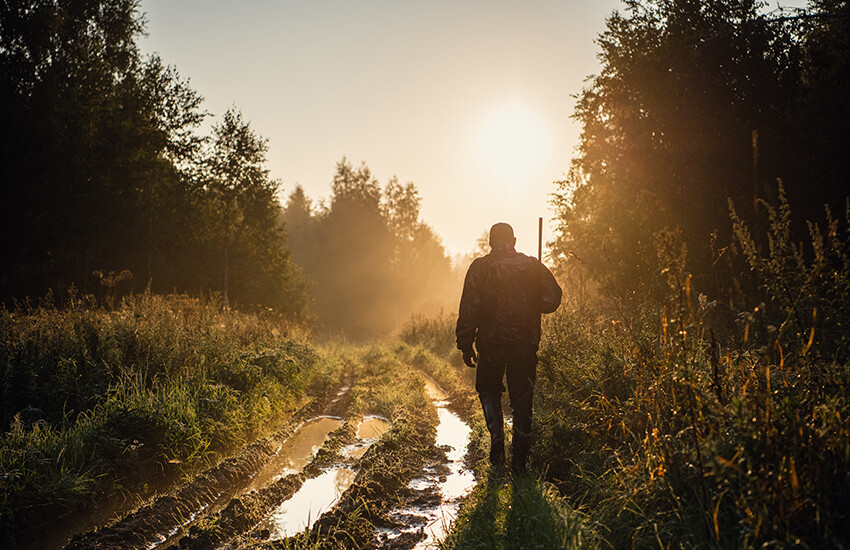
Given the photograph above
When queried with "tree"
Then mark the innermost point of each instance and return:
(244, 222)
(299, 221)
(371, 260)
(90, 144)
(422, 271)
(697, 102)
(355, 254)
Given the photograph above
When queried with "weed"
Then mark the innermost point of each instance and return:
(97, 399)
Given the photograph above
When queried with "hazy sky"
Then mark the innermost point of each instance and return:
(469, 100)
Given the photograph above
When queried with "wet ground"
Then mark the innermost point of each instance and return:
(318, 495)
(426, 514)
(306, 476)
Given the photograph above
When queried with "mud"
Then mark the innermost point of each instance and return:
(248, 510)
(406, 493)
(155, 523)
(314, 498)
(295, 453)
(431, 500)
(368, 484)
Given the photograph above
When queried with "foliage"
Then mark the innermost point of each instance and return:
(371, 260)
(103, 171)
(665, 433)
(92, 399)
(807, 291)
(697, 102)
(244, 227)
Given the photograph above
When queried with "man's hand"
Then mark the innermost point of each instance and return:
(470, 357)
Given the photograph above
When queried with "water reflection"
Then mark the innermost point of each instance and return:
(372, 427)
(449, 480)
(315, 497)
(321, 493)
(296, 452)
(370, 430)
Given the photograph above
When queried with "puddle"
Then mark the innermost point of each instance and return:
(372, 427)
(296, 452)
(441, 486)
(453, 434)
(370, 430)
(314, 498)
(321, 493)
(434, 392)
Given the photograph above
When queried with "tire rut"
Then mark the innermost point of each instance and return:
(154, 523)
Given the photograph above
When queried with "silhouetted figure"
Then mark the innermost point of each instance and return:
(504, 294)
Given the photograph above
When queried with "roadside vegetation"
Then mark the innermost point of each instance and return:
(384, 380)
(98, 400)
(687, 423)
(694, 424)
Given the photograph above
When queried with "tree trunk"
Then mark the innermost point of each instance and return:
(225, 301)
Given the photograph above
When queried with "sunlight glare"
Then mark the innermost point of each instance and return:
(512, 144)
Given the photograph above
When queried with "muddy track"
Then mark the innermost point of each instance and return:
(384, 473)
(393, 502)
(145, 527)
(396, 494)
(246, 511)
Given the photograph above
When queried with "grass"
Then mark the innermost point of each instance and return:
(688, 422)
(520, 512)
(95, 400)
(683, 423)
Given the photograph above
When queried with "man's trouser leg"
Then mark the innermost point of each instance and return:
(488, 383)
(522, 373)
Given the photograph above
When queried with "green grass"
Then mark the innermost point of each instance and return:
(523, 512)
(95, 400)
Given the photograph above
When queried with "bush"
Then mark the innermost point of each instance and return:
(667, 435)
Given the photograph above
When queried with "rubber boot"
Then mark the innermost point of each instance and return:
(492, 406)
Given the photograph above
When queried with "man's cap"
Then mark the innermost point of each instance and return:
(500, 234)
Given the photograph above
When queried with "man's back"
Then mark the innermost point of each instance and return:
(504, 294)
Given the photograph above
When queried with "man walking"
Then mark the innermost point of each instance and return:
(504, 294)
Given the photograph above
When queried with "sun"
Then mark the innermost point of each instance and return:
(512, 143)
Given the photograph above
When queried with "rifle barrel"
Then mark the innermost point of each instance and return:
(540, 240)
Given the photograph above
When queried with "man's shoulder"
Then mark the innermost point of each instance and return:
(515, 258)
(509, 258)
(478, 267)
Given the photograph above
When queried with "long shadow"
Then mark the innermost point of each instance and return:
(483, 525)
(535, 519)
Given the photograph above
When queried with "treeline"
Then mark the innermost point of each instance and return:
(694, 389)
(698, 104)
(109, 187)
(370, 258)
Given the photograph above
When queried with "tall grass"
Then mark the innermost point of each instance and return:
(693, 421)
(666, 432)
(434, 333)
(95, 399)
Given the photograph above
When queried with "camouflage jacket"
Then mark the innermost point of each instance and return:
(503, 296)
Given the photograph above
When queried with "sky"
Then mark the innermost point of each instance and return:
(471, 101)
